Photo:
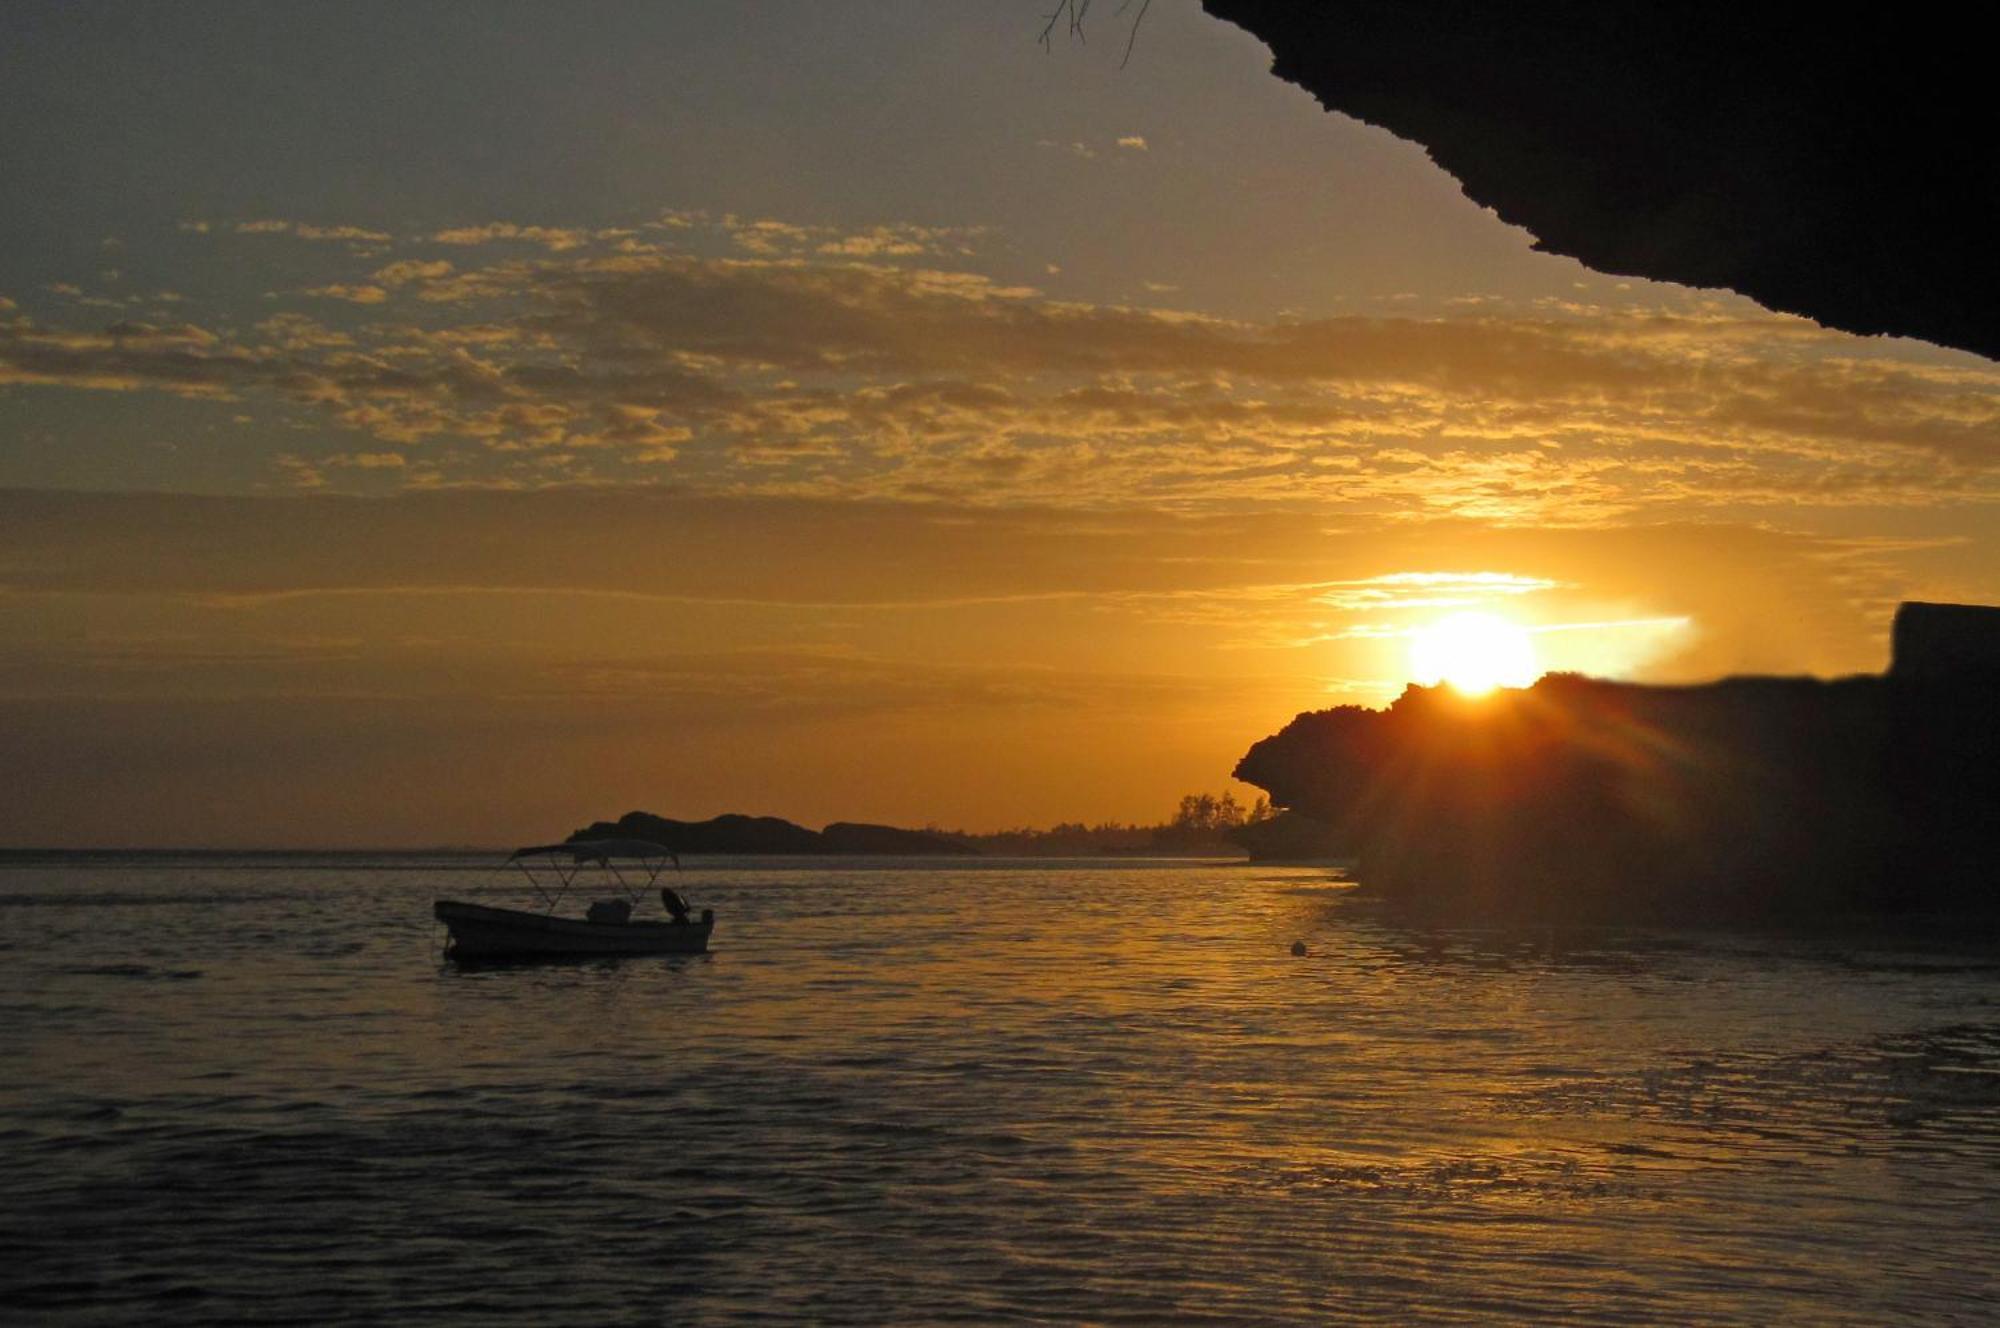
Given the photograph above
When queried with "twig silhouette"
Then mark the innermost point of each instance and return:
(1077, 10)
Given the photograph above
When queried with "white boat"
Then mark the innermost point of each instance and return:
(480, 932)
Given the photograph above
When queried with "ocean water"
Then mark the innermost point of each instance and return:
(246, 1089)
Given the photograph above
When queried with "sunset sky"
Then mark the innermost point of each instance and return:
(435, 423)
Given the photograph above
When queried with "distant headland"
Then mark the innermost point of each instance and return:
(1204, 825)
(733, 833)
(1751, 797)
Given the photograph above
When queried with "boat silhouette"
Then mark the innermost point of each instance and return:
(483, 933)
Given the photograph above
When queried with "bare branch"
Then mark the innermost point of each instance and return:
(1075, 11)
(1132, 37)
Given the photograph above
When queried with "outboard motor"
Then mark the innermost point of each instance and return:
(677, 908)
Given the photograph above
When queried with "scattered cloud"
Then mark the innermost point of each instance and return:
(408, 270)
(300, 230)
(1429, 590)
(557, 239)
(296, 332)
(807, 360)
(359, 294)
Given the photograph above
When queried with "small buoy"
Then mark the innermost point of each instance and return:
(1299, 948)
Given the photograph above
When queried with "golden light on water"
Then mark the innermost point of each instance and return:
(1474, 652)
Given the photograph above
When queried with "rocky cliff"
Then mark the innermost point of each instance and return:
(1831, 163)
(1745, 798)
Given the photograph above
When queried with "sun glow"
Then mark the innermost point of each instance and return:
(1474, 652)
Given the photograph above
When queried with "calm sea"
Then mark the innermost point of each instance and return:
(246, 1089)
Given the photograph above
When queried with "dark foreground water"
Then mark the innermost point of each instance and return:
(239, 1090)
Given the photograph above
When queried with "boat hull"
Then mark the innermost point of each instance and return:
(479, 932)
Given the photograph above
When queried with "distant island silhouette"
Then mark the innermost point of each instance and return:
(1204, 825)
(1751, 797)
(733, 833)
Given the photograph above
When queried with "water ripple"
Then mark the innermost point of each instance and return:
(983, 1094)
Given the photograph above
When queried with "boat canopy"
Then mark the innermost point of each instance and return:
(600, 851)
(559, 865)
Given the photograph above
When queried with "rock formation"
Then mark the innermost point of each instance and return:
(1836, 164)
(1746, 798)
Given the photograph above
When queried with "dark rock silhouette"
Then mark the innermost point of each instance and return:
(1825, 164)
(1941, 642)
(1291, 837)
(732, 833)
(1579, 798)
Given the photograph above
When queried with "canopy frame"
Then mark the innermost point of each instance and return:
(651, 859)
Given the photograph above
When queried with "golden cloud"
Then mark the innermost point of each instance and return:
(822, 373)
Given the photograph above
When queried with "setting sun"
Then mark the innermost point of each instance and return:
(1474, 652)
